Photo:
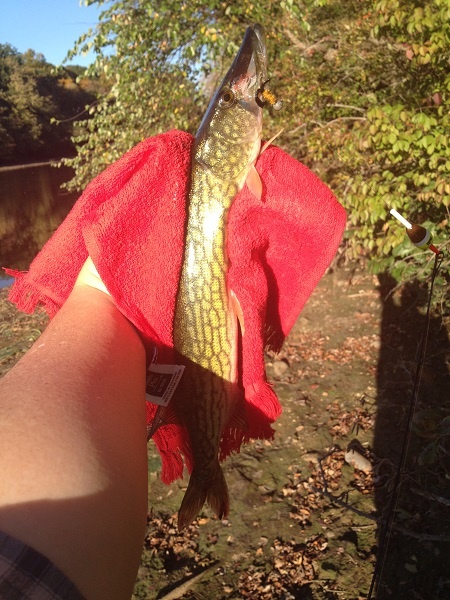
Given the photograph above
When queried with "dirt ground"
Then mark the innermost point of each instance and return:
(308, 508)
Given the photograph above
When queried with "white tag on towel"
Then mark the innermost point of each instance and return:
(162, 381)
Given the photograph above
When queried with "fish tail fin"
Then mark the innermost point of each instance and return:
(214, 491)
(217, 496)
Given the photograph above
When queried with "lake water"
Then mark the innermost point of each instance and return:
(32, 206)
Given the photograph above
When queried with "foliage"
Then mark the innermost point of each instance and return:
(377, 125)
(32, 97)
(433, 425)
(365, 85)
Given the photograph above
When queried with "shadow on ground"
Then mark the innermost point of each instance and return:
(416, 564)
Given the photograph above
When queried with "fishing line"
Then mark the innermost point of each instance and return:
(392, 506)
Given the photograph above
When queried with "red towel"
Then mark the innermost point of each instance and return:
(131, 219)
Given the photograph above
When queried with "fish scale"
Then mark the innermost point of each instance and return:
(202, 301)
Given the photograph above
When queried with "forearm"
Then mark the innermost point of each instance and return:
(72, 415)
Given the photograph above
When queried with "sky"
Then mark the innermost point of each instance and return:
(49, 27)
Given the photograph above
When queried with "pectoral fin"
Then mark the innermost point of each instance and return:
(237, 308)
(254, 182)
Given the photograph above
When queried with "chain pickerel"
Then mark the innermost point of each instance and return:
(206, 329)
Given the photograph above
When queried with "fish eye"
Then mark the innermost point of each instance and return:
(227, 99)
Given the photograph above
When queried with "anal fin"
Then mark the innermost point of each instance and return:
(164, 415)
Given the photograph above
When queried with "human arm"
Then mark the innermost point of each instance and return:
(73, 445)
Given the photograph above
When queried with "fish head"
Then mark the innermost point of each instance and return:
(229, 137)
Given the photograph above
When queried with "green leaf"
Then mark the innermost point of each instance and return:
(392, 138)
(429, 455)
(444, 426)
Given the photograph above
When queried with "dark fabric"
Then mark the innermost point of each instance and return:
(25, 574)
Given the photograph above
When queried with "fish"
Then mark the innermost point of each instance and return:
(208, 319)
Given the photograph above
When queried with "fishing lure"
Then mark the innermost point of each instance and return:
(265, 96)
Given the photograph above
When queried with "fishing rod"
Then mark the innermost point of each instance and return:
(421, 238)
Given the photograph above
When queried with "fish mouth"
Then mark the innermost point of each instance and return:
(245, 79)
(247, 74)
(250, 63)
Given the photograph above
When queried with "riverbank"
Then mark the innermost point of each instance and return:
(306, 507)
(28, 165)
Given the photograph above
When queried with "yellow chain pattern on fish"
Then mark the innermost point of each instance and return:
(202, 317)
(201, 321)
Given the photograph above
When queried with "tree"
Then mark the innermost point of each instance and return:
(407, 132)
(32, 98)
(373, 104)
(7, 52)
(365, 86)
